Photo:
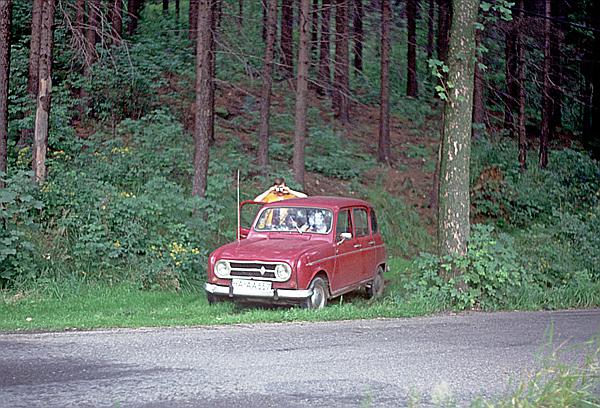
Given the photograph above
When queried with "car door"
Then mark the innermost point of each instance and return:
(360, 219)
(348, 267)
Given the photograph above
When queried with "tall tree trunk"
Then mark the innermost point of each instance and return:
(357, 28)
(5, 23)
(117, 21)
(133, 10)
(314, 28)
(265, 99)
(384, 150)
(341, 86)
(454, 205)
(521, 86)
(324, 49)
(444, 18)
(193, 19)
(34, 48)
(40, 138)
(286, 40)
(412, 88)
(545, 132)
(512, 91)
(430, 31)
(204, 104)
(478, 104)
(301, 93)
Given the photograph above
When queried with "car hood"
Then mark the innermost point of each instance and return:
(269, 249)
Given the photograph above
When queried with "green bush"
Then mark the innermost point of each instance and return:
(491, 270)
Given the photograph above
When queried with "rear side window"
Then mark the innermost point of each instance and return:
(361, 223)
(374, 226)
(344, 224)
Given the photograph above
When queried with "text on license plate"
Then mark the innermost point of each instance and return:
(251, 285)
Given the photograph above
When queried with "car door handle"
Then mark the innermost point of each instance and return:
(372, 243)
(357, 246)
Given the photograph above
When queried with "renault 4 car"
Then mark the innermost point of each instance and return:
(301, 251)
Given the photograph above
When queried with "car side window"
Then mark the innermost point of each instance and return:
(374, 226)
(344, 223)
(361, 223)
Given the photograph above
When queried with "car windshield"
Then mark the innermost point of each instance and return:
(295, 219)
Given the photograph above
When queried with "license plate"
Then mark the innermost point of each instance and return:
(251, 287)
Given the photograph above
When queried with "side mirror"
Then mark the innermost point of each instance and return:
(345, 236)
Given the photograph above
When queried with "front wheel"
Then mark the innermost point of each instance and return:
(318, 299)
(375, 289)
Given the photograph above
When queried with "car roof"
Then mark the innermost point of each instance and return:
(320, 201)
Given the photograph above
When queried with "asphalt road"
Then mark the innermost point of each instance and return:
(387, 362)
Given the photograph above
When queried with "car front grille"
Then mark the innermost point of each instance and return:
(253, 270)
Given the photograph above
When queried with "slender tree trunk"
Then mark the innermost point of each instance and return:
(314, 28)
(478, 104)
(5, 23)
(545, 132)
(510, 102)
(40, 139)
(444, 16)
(521, 87)
(204, 105)
(265, 100)
(430, 31)
(301, 93)
(117, 21)
(454, 205)
(357, 27)
(341, 85)
(324, 49)
(193, 19)
(287, 28)
(412, 88)
(384, 150)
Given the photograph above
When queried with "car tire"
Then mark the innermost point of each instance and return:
(318, 299)
(375, 288)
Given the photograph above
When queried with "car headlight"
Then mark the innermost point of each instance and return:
(222, 269)
(283, 272)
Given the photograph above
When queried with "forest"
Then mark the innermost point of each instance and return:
(471, 126)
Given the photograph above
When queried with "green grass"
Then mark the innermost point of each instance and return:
(100, 306)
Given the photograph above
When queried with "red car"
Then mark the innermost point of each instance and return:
(303, 251)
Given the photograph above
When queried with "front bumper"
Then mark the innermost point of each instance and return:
(274, 294)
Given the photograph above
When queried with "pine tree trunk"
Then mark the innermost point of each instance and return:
(430, 31)
(454, 205)
(40, 138)
(117, 21)
(133, 10)
(478, 104)
(287, 28)
(204, 104)
(357, 27)
(301, 93)
(411, 56)
(521, 87)
(324, 49)
(384, 148)
(444, 16)
(265, 99)
(341, 85)
(193, 19)
(5, 23)
(545, 132)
